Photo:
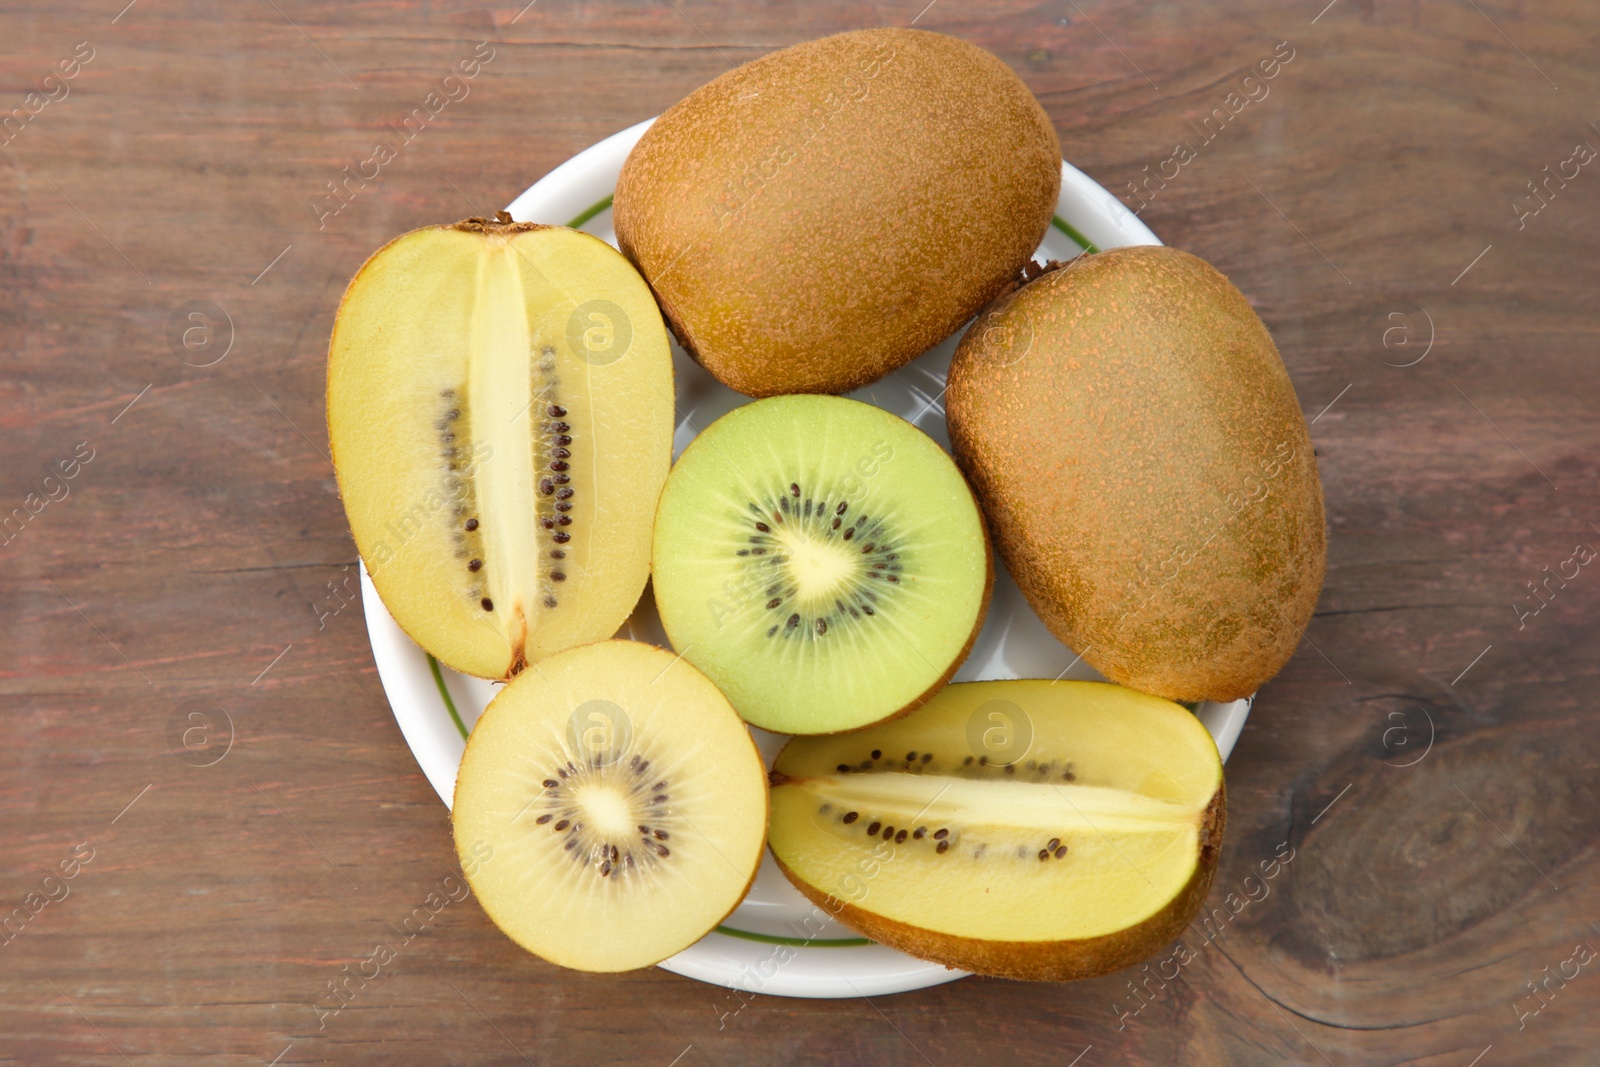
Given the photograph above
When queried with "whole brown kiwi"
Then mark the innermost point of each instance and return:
(1146, 471)
(823, 215)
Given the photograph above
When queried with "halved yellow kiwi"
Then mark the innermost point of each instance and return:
(1023, 829)
(500, 414)
(610, 808)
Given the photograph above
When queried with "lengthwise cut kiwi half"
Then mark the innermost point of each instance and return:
(500, 414)
(1020, 829)
(822, 561)
(612, 805)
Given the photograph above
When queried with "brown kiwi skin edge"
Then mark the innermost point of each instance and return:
(1043, 961)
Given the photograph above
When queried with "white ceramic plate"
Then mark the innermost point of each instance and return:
(776, 942)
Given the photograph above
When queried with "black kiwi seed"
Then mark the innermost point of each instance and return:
(546, 486)
(1061, 851)
(849, 534)
(877, 753)
(556, 411)
(541, 820)
(844, 768)
(888, 832)
(943, 845)
(561, 537)
(471, 524)
(563, 520)
(549, 601)
(557, 576)
(851, 816)
(551, 783)
(774, 602)
(562, 825)
(763, 527)
(794, 490)
(488, 605)
(476, 564)
(1044, 854)
(563, 494)
(899, 837)
(873, 828)
(563, 506)
(1055, 843)
(563, 440)
(910, 756)
(559, 465)
(561, 427)
(794, 620)
(940, 835)
(547, 524)
(822, 627)
(840, 510)
(562, 479)
(920, 833)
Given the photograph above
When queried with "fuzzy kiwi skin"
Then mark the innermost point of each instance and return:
(1043, 961)
(823, 215)
(1146, 470)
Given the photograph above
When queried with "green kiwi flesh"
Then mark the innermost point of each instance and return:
(822, 560)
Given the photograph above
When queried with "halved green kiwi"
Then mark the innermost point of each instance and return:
(822, 560)
(500, 414)
(610, 809)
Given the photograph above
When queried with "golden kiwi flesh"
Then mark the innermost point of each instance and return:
(500, 413)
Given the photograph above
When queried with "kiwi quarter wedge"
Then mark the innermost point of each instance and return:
(500, 414)
(610, 807)
(822, 560)
(1022, 829)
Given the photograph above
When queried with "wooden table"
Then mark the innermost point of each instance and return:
(1429, 757)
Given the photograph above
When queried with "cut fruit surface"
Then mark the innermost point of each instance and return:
(500, 414)
(822, 560)
(1022, 829)
(610, 808)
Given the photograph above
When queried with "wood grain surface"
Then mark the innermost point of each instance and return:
(1428, 759)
